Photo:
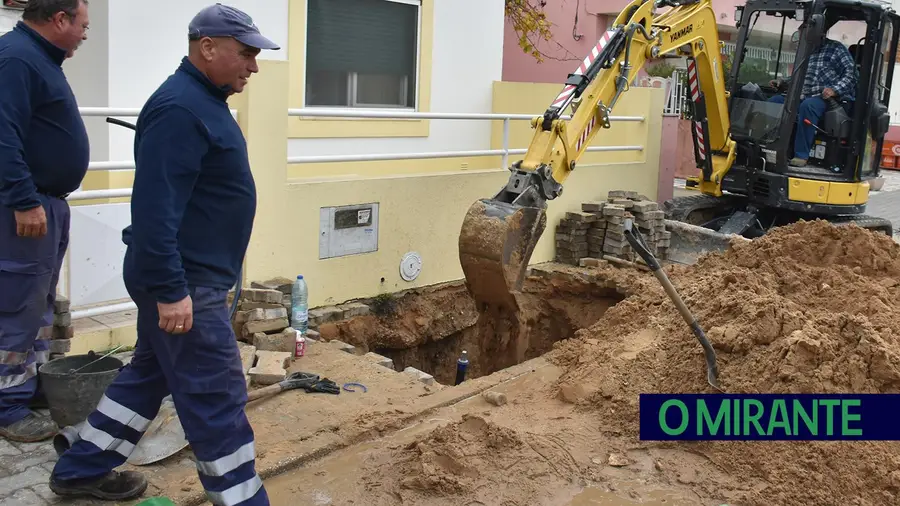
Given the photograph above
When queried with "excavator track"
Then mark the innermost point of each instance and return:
(697, 209)
(872, 223)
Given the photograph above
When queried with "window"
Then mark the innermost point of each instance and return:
(362, 53)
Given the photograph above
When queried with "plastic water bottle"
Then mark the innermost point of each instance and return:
(299, 308)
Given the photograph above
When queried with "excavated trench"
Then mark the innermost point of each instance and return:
(429, 328)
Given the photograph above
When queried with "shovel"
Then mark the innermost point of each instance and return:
(165, 435)
(634, 237)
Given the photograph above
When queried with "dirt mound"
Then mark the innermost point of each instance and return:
(472, 458)
(809, 308)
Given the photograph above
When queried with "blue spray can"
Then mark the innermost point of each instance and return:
(462, 364)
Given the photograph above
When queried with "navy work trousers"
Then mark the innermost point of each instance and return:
(203, 372)
(29, 273)
(811, 108)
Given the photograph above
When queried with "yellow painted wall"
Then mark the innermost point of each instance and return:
(418, 212)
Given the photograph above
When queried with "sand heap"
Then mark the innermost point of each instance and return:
(808, 308)
(473, 457)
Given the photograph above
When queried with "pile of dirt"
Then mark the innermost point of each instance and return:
(472, 458)
(809, 308)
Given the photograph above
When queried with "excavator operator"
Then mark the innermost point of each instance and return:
(831, 73)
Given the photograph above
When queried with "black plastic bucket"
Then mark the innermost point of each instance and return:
(72, 397)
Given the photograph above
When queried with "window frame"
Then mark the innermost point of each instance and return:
(352, 77)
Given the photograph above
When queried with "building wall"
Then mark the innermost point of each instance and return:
(8, 18)
(456, 72)
(419, 213)
(132, 49)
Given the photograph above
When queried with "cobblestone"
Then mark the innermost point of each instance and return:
(30, 477)
(24, 497)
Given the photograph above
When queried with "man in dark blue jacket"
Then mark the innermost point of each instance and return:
(192, 211)
(44, 156)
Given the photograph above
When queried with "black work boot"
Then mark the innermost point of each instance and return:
(31, 429)
(115, 486)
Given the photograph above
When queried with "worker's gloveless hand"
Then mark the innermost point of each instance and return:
(178, 317)
(828, 93)
(31, 223)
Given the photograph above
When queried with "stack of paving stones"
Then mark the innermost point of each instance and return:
(599, 230)
(61, 332)
(571, 237)
(262, 324)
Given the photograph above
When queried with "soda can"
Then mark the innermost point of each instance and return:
(300, 348)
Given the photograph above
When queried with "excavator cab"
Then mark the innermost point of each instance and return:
(801, 154)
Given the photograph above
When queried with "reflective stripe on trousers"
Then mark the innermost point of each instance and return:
(203, 371)
(29, 272)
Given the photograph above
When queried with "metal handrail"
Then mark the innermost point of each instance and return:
(393, 114)
(435, 154)
(326, 113)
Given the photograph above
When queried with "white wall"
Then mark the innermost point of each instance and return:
(148, 40)
(464, 68)
(8, 19)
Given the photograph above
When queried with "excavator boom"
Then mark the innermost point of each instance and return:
(499, 234)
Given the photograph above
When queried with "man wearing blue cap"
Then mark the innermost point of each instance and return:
(192, 208)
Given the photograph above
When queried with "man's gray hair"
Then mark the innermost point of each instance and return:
(42, 10)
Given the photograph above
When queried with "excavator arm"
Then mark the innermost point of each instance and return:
(499, 234)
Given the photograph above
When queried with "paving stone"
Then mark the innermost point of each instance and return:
(261, 295)
(30, 447)
(28, 478)
(422, 376)
(61, 304)
(380, 360)
(282, 284)
(60, 346)
(44, 491)
(353, 309)
(277, 324)
(62, 319)
(284, 341)
(7, 448)
(270, 367)
(260, 314)
(349, 348)
(20, 463)
(24, 497)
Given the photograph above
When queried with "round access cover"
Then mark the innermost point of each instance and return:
(410, 266)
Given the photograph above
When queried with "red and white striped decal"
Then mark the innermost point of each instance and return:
(694, 84)
(588, 60)
(587, 131)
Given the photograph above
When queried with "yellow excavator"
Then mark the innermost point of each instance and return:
(744, 129)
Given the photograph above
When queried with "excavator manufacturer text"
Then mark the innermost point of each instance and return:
(744, 127)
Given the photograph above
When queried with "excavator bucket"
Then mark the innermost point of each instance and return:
(689, 242)
(495, 246)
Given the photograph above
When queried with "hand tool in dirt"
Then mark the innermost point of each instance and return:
(165, 435)
(636, 239)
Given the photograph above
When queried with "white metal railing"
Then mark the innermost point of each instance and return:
(504, 152)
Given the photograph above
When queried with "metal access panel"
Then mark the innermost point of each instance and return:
(348, 230)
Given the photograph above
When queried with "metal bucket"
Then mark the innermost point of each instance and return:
(72, 397)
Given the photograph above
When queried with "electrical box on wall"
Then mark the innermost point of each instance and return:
(348, 230)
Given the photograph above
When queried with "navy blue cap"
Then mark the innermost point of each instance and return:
(223, 21)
